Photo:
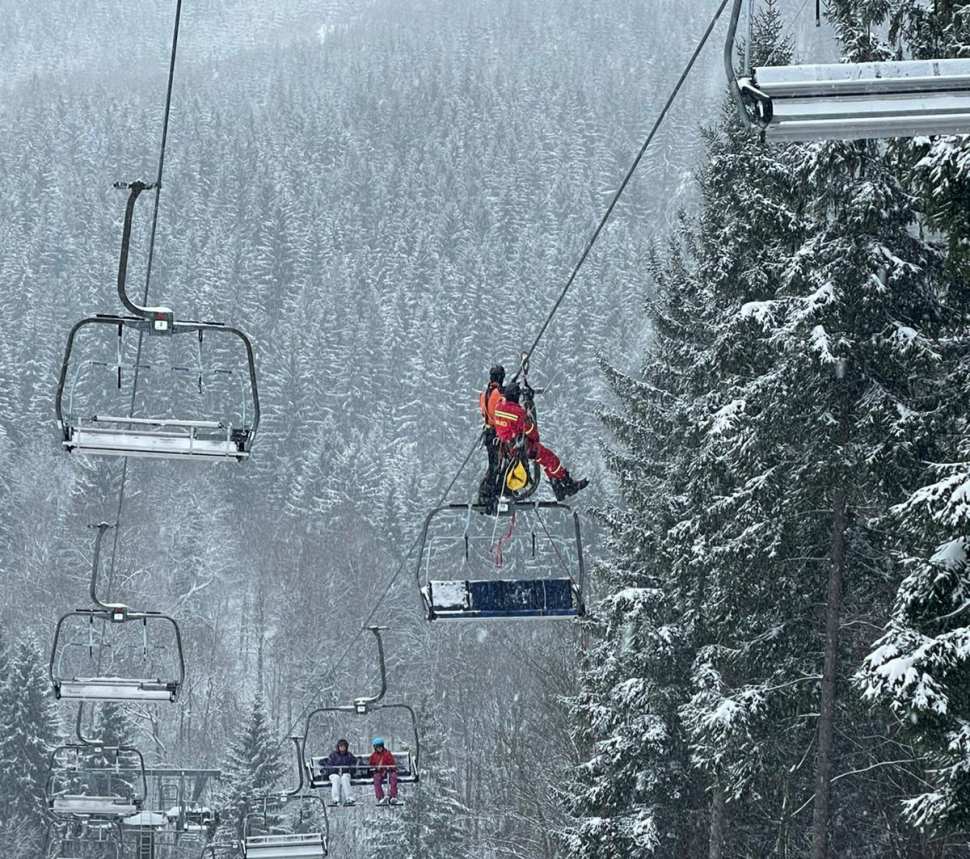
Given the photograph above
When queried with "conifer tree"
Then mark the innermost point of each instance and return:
(778, 420)
(250, 772)
(919, 669)
(28, 731)
(114, 727)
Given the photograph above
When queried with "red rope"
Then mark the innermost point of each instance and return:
(496, 550)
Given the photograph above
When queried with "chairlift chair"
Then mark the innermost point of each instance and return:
(193, 438)
(81, 650)
(96, 781)
(465, 562)
(407, 760)
(96, 656)
(851, 101)
(180, 794)
(309, 844)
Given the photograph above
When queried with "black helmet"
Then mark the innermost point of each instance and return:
(497, 374)
(512, 392)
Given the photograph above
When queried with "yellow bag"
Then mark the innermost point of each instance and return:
(516, 478)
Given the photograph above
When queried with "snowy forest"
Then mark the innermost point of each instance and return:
(763, 368)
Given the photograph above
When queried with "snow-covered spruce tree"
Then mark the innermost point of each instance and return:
(653, 691)
(795, 322)
(114, 727)
(250, 772)
(28, 732)
(941, 166)
(920, 667)
(853, 328)
(636, 795)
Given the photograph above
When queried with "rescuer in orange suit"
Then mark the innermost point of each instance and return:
(487, 401)
(511, 422)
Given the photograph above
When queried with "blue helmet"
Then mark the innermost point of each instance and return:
(378, 741)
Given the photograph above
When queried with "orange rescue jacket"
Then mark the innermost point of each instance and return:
(488, 400)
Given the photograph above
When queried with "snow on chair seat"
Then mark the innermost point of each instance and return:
(114, 689)
(503, 598)
(100, 806)
(158, 438)
(905, 98)
(293, 846)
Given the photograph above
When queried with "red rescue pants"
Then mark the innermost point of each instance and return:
(546, 458)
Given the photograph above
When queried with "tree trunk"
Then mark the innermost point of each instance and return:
(826, 716)
(718, 823)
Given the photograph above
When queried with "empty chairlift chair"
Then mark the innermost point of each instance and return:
(96, 781)
(852, 101)
(529, 565)
(224, 397)
(111, 653)
(305, 838)
(109, 656)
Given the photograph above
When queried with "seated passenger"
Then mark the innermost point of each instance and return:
(340, 767)
(384, 766)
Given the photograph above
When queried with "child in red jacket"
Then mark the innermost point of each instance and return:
(383, 764)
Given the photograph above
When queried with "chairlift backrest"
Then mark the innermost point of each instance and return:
(361, 775)
(96, 658)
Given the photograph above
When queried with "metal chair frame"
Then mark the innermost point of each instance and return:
(423, 572)
(163, 437)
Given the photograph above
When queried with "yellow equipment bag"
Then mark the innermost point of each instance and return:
(517, 477)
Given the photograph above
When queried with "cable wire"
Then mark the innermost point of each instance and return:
(148, 280)
(626, 180)
(562, 295)
(387, 589)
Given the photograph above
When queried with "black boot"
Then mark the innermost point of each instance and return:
(564, 487)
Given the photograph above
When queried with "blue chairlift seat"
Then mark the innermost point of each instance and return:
(504, 598)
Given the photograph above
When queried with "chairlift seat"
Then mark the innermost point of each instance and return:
(311, 844)
(361, 775)
(905, 98)
(100, 806)
(114, 689)
(166, 438)
(503, 598)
